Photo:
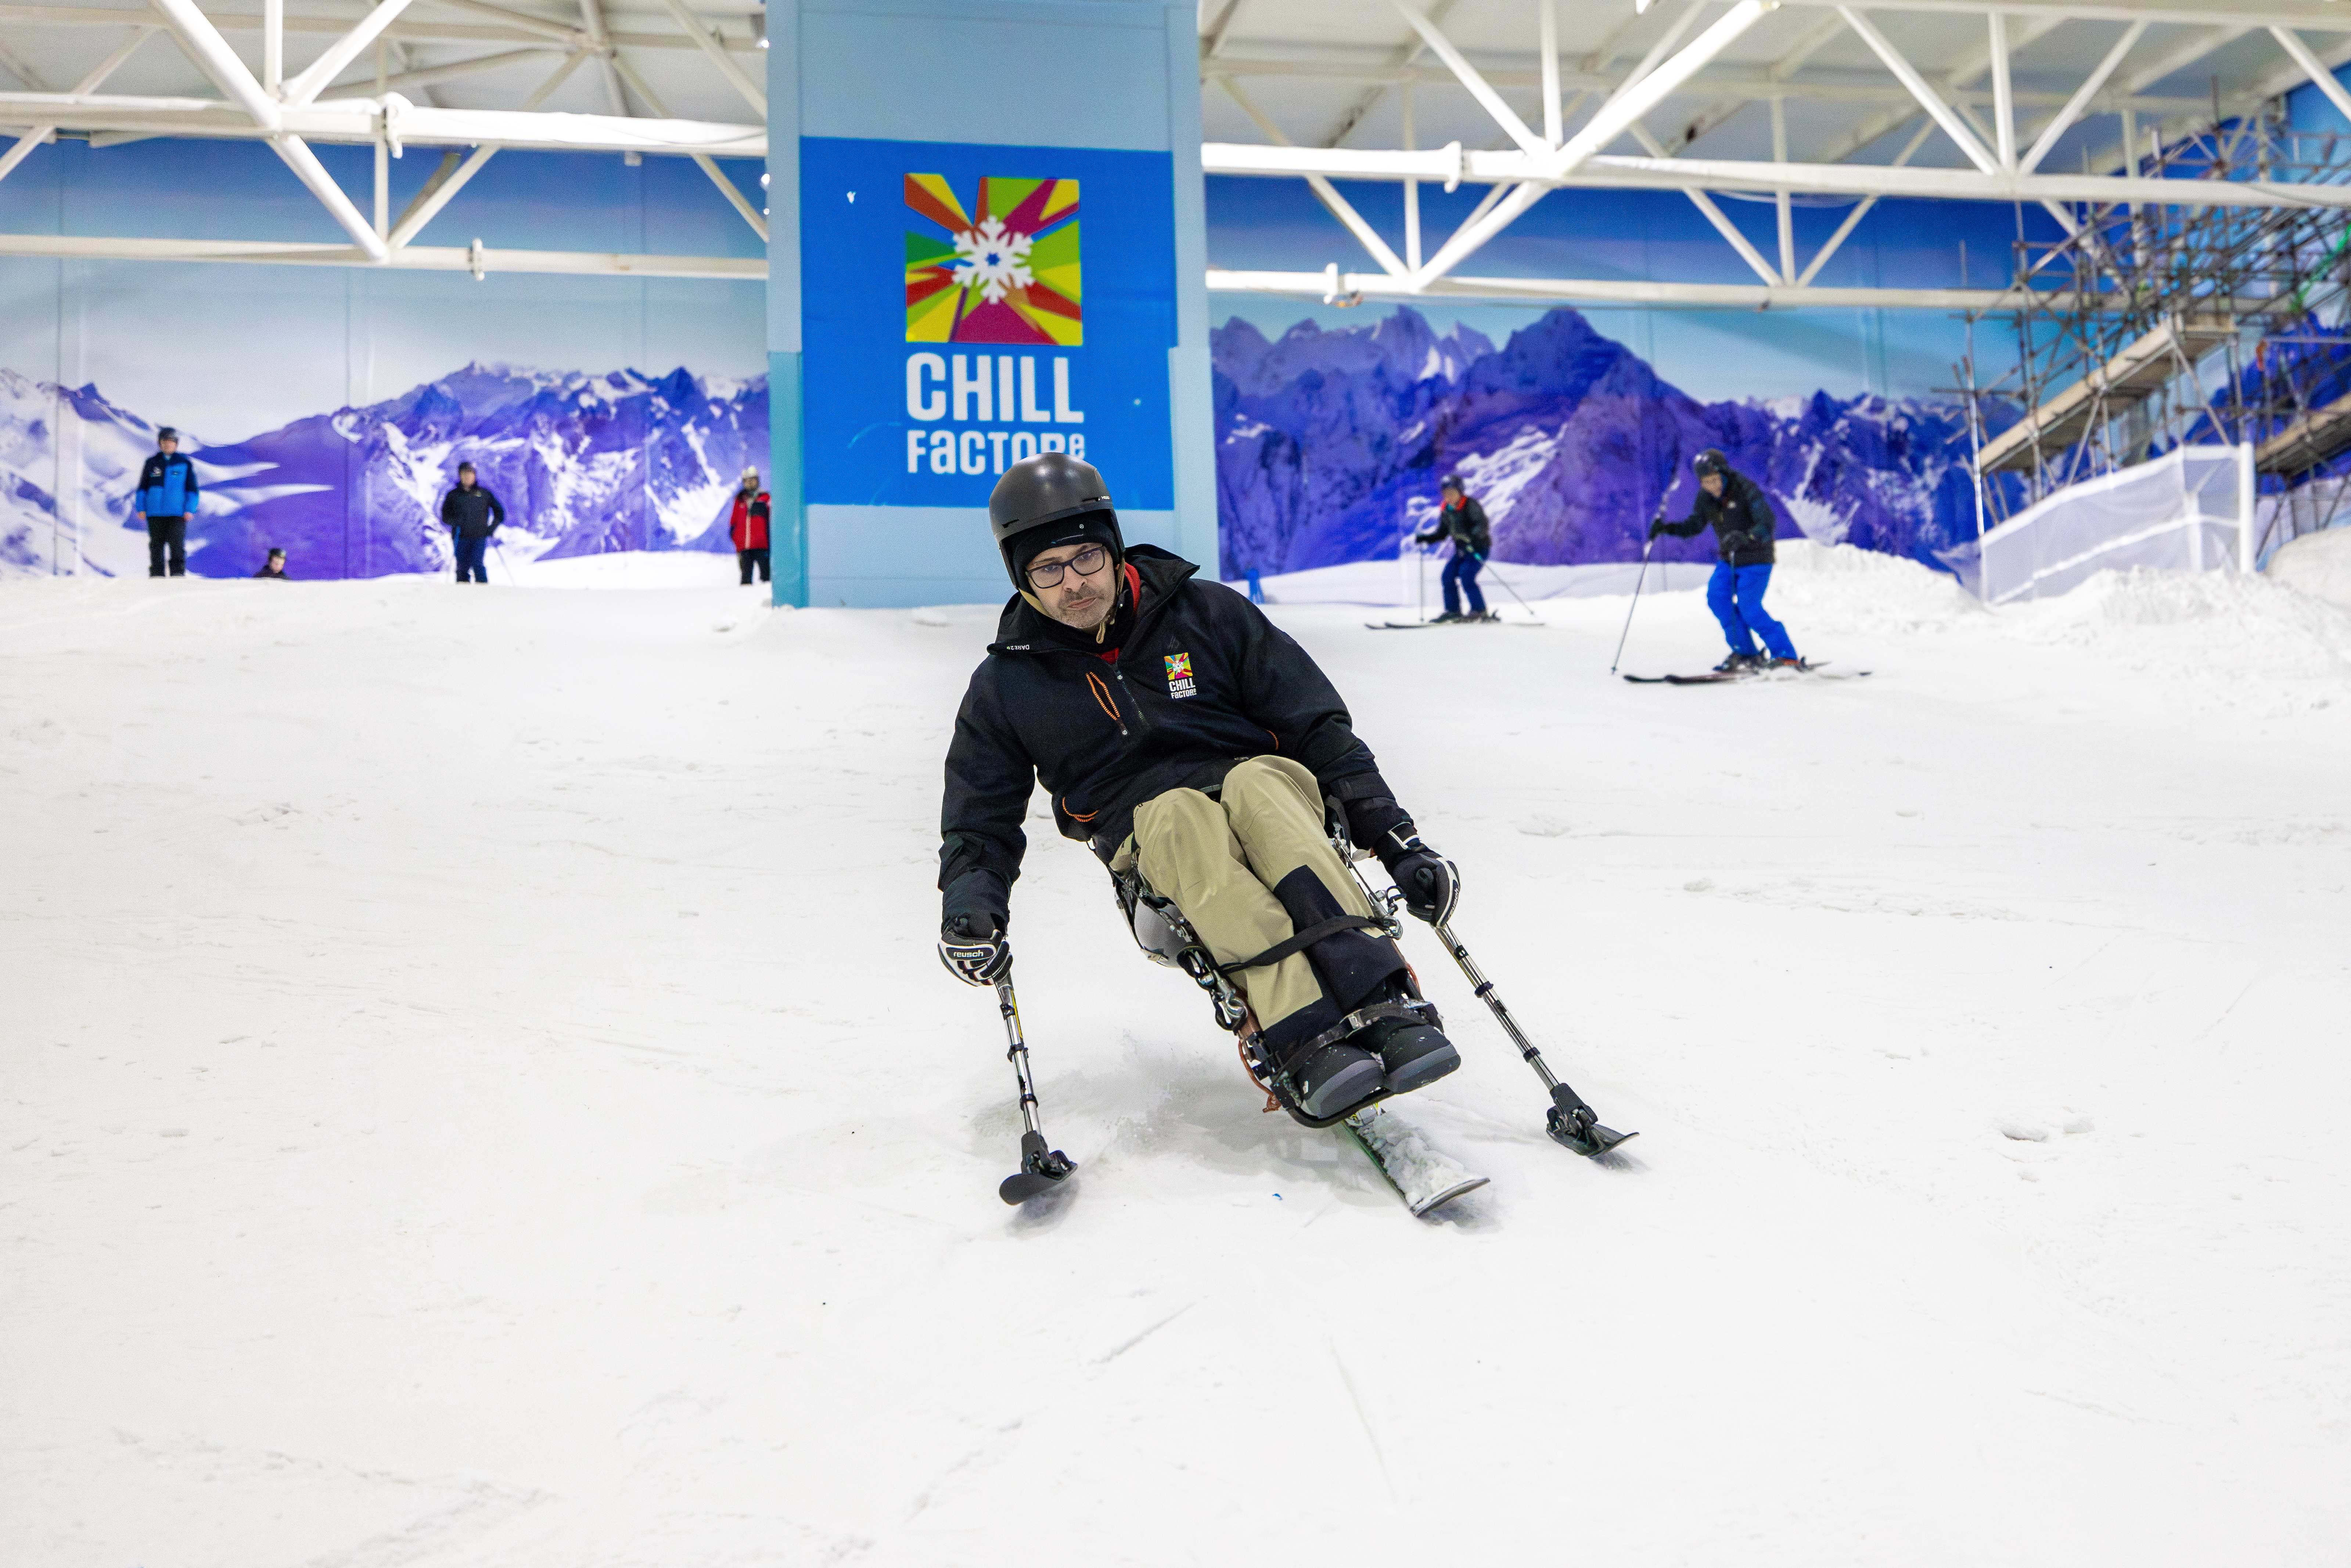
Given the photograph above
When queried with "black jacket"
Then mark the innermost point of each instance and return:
(1466, 526)
(1742, 520)
(1202, 680)
(472, 514)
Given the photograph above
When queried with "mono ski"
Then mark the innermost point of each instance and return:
(1423, 1175)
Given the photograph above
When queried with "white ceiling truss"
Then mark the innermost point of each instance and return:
(1960, 100)
(367, 86)
(1778, 101)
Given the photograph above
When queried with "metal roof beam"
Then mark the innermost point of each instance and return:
(414, 258)
(1712, 174)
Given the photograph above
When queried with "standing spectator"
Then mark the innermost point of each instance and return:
(749, 526)
(472, 514)
(167, 496)
(1463, 521)
(275, 567)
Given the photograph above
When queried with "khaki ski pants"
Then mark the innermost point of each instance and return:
(1217, 859)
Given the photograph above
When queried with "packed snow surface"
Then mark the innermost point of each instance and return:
(478, 1092)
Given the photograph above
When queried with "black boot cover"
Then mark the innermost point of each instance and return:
(1356, 968)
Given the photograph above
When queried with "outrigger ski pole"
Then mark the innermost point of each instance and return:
(1041, 1168)
(1571, 1123)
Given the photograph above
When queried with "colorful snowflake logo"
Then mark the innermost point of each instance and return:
(1010, 276)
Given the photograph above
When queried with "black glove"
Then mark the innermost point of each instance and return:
(971, 931)
(1430, 886)
(1656, 527)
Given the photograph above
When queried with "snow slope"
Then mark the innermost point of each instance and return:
(478, 1092)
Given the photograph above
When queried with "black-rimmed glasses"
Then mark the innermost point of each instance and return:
(1085, 563)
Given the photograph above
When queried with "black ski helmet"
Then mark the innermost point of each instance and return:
(1051, 488)
(1711, 461)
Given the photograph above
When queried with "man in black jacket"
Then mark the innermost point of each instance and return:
(472, 514)
(1187, 740)
(1462, 520)
(1741, 518)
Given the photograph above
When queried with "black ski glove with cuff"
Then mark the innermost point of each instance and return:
(1430, 886)
(972, 943)
(1374, 821)
(1656, 527)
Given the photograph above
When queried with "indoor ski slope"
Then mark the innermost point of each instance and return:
(476, 1090)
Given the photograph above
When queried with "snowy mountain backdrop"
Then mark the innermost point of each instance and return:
(1329, 445)
(585, 463)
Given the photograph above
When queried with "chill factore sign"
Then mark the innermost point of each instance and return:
(965, 307)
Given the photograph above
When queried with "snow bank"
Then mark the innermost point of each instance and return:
(2318, 564)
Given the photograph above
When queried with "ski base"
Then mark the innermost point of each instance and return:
(1423, 1177)
(1487, 620)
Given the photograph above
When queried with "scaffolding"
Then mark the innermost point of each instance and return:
(2147, 328)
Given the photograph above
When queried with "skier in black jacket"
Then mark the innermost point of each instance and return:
(1190, 743)
(1741, 518)
(1462, 520)
(473, 514)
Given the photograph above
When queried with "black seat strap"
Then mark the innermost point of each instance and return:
(1305, 939)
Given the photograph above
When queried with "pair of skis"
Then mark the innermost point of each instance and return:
(1724, 677)
(1488, 619)
(1423, 1176)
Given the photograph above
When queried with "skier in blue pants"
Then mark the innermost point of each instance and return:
(1741, 516)
(1462, 520)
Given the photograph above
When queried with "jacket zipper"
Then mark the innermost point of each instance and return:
(1140, 721)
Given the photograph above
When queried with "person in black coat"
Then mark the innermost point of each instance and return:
(1462, 520)
(472, 515)
(274, 568)
(1740, 515)
(1191, 745)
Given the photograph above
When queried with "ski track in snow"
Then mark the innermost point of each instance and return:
(479, 1092)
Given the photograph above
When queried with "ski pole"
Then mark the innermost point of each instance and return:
(1637, 581)
(504, 562)
(1041, 1167)
(1505, 586)
(1571, 1122)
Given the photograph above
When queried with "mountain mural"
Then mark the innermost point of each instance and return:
(1329, 445)
(585, 463)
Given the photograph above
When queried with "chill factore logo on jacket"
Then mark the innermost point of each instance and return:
(1009, 276)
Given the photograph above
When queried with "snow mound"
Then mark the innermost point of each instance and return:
(2318, 564)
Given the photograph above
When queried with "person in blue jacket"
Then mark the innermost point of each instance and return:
(1744, 525)
(472, 514)
(167, 498)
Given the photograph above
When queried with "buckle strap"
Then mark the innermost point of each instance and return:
(1361, 1018)
(1305, 939)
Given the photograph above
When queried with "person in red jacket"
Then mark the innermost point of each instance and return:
(749, 526)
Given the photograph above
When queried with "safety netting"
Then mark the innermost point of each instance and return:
(2192, 510)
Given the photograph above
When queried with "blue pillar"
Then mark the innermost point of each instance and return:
(989, 239)
(788, 512)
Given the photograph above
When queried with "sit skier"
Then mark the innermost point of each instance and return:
(1462, 520)
(1189, 742)
(1743, 522)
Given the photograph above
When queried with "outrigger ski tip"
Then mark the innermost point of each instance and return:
(1041, 1170)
